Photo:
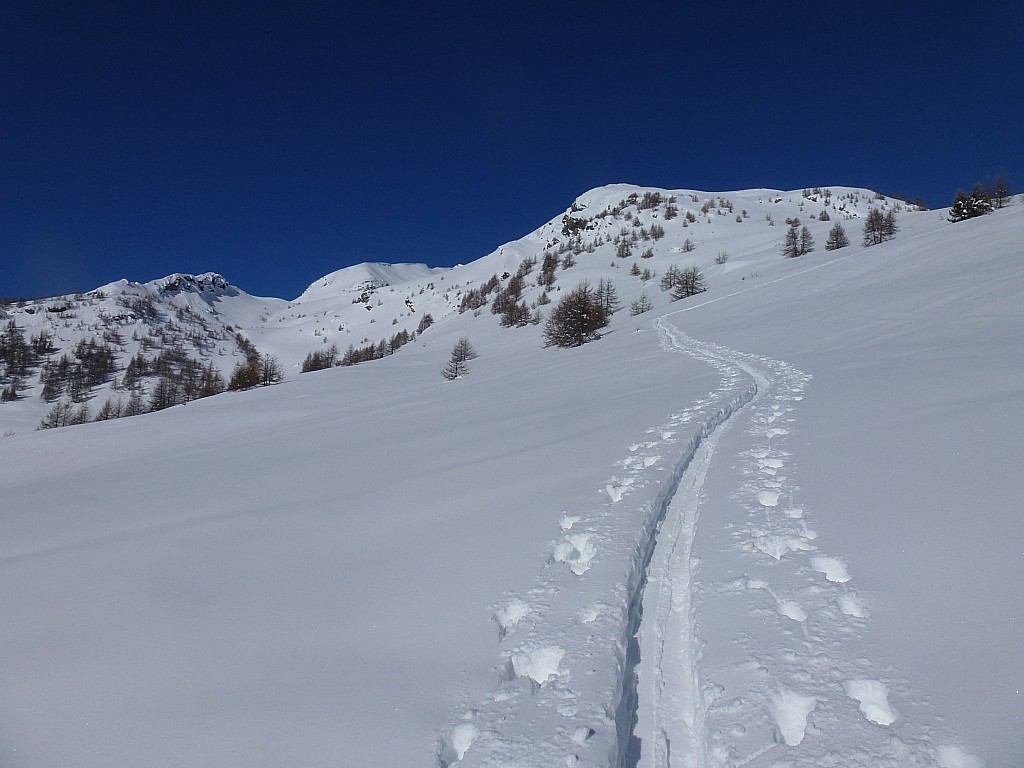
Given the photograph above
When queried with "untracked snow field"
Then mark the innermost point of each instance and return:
(775, 525)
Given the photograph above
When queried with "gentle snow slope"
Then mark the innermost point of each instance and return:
(375, 566)
(302, 574)
(906, 455)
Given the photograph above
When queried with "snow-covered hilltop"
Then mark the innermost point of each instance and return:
(626, 235)
(772, 523)
(365, 277)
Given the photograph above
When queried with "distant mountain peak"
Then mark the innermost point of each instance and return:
(207, 282)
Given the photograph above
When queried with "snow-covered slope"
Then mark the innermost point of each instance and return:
(605, 232)
(364, 277)
(372, 565)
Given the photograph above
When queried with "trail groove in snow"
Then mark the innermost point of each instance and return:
(567, 689)
(671, 714)
(779, 676)
(607, 661)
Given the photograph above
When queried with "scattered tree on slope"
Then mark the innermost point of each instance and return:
(318, 360)
(965, 206)
(608, 295)
(684, 282)
(879, 227)
(641, 305)
(836, 238)
(1001, 191)
(797, 243)
(259, 371)
(458, 363)
(577, 319)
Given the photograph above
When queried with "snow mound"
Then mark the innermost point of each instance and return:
(509, 615)
(833, 568)
(873, 697)
(538, 664)
(789, 710)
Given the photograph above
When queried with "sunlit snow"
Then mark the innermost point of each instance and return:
(801, 488)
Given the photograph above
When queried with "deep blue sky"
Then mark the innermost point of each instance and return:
(276, 142)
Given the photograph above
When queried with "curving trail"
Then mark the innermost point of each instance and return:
(567, 693)
(628, 651)
(671, 712)
(770, 668)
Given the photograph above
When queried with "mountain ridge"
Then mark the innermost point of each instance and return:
(372, 303)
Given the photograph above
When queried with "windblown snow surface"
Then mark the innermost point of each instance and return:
(774, 525)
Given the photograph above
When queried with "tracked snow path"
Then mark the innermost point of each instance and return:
(670, 707)
(627, 651)
(566, 689)
(670, 713)
(771, 667)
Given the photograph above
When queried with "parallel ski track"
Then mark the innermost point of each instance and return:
(671, 716)
(815, 703)
(620, 682)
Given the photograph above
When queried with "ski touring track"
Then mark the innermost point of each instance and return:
(626, 679)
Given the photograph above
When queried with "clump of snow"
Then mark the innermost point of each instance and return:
(851, 605)
(538, 664)
(873, 697)
(590, 613)
(778, 545)
(576, 550)
(582, 734)
(617, 489)
(456, 744)
(509, 615)
(792, 610)
(833, 568)
(566, 522)
(789, 710)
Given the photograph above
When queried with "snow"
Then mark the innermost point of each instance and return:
(800, 489)
(873, 698)
(832, 567)
(509, 615)
(790, 711)
(538, 664)
(363, 277)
